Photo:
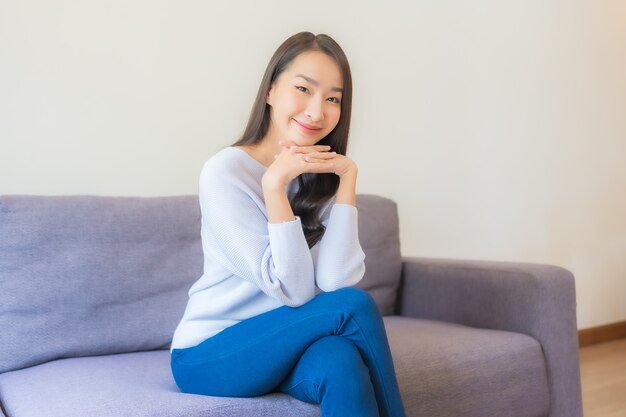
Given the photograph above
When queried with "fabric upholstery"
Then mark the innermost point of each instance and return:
(532, 299)
(449, 370)
(379, 236)
(92, 275)
(88, 275)
(85, 280)
(443, 370)
(129, 384)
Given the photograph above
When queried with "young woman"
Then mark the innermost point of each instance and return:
(273, 310)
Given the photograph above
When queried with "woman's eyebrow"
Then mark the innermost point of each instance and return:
(315, 83)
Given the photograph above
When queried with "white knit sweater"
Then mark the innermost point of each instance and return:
(252, 266)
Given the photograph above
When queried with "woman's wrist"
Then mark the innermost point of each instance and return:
(276, 200)
(277, 206)
(346, 193)
(271, 182)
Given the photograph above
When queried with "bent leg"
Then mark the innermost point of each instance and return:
(254, 356)
(331, 373)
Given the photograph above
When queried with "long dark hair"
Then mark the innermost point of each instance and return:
(314, 189)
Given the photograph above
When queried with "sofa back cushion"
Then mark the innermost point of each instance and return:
(95, 275)
(90, 275)
(379, 236)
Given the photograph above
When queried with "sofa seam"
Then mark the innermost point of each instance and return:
(3, 410)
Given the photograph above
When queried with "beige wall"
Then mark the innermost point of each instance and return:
(499, 127)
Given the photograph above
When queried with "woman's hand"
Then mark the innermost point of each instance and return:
(342, 165)
(294, 160)
(320, 155)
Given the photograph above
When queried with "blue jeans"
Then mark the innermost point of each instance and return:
(332, 351)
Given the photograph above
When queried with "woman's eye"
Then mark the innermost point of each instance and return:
(303, 89)
(335, 100)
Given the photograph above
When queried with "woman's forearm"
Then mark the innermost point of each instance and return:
(346, 193)
(277, 204)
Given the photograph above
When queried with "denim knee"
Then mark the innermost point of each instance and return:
(357, 300)
(342, 364)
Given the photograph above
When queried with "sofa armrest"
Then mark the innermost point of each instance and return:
(533, 299)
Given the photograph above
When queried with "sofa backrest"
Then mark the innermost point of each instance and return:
(94, 275)
(379, 236)
(90, 275)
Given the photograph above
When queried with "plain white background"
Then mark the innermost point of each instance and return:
(499, 127)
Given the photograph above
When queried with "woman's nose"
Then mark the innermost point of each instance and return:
(314, 110)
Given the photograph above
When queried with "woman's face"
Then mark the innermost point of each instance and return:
(305, 99)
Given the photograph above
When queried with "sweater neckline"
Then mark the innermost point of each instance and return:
(293, 185)
(249, 157)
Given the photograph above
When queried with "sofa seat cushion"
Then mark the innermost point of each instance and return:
(449, 370)
(443, 369)
(133, 384)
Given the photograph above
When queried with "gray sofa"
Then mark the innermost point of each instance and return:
(92, 288)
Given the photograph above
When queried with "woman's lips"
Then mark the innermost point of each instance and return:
(307, 128)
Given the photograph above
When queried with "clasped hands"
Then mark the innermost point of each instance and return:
(294, 160)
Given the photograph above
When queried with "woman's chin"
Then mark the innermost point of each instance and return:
(304, 139)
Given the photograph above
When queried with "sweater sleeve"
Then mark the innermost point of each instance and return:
(340, 261)
(236, 233)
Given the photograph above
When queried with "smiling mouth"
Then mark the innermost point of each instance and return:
(308, 127)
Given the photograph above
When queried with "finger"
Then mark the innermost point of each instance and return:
(322, 147)
(320, 155)
(315, 161)
(310, 149)
(320, 167)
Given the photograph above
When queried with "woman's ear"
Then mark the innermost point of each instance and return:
(270, 95)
